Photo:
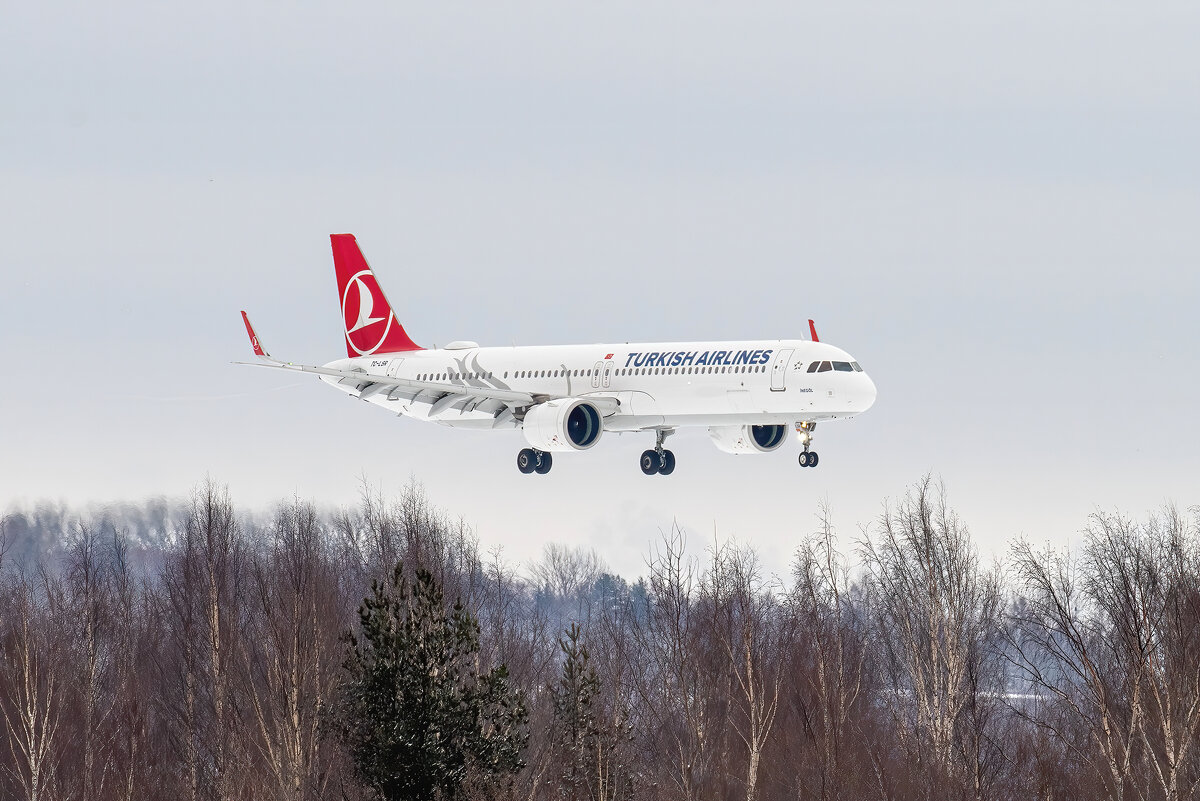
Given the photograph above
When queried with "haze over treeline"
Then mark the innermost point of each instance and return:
(193, 651)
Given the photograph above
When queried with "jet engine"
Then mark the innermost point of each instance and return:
(748, 439)
(566, 424)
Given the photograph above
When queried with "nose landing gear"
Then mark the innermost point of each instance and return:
(807, 458)
(659, 460)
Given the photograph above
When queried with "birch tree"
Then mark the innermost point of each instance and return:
(753, 636)
(31, 700)
(1111, 638)
(291, 658)
(937, 629)
(672, 689)
(833, 625)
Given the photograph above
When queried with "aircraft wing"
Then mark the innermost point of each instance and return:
(371, 383)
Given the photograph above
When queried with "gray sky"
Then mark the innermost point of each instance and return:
(995, 209)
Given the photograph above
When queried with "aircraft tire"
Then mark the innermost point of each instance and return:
(813, 459)
(668, 464)
(526, 460)
(544, 463)
(804, 459)
(651, 464)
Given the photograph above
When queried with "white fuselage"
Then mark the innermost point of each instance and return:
(658, 385)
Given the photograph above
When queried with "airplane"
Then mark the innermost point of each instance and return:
(564, 397)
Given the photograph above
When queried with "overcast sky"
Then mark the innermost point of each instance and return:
(994, 207)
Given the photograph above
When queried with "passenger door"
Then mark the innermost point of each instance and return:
(779, 369)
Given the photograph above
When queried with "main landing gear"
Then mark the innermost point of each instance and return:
(659, 460)
(534, 461)
(807, 458)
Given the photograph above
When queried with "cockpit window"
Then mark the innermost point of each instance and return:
(812, 368)
(843, 367)
(825, 367)
(857, 367)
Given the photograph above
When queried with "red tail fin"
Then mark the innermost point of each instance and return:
(368, 322)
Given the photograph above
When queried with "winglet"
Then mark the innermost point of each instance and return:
(812, 327)
(254, 343)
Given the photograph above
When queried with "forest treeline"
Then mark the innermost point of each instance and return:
(212, 659)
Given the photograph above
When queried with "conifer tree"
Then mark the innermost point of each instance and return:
(575, 716)
(421, 718)
(589, 739)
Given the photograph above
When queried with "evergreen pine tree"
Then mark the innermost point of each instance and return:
(420, 718)
(591, 742)
(576, 729)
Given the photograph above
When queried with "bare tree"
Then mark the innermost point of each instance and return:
(684, 706)
(32, 697)
(753, 635)
(937, 621)
(88, 607)
(291, 658)
(1111, 639)
(567, 576)
(201, 588)
(834, 625)
(130, 683)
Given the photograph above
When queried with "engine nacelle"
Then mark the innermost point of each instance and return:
(748, 439)
(567, 424)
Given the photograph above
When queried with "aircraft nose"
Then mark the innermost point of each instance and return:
(869, 392)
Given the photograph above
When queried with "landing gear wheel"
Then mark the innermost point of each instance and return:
(668, 464)
(527, 460)
(545, 462)
(813, 458)
(804, 459)
(651, 463)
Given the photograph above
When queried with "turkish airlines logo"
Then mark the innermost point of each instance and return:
(364, 331)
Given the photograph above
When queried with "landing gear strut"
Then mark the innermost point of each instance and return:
(659, 460)
(534, 461)
(807, 458)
